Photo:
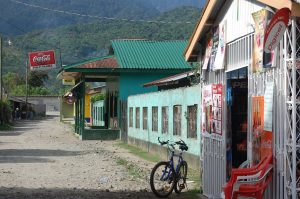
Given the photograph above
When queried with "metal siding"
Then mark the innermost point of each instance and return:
(239, 18)
(213, 153)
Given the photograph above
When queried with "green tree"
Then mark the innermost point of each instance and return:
(37, 78)
(11, 80)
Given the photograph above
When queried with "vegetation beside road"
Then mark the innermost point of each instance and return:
(193, 175)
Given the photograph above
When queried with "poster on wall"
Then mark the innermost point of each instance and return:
(219, 61)
(207, 109)
(207, 52)
(268, 106)
(260, 59)
(214, 47)
(266, 143)
(212, 109)
(257, 127)
(217, 108)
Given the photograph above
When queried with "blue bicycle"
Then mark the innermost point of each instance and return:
(165, 176)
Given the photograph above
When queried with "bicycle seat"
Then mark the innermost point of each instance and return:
(183, 147)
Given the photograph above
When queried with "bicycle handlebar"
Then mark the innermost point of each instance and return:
(163, 142)
(180, 143)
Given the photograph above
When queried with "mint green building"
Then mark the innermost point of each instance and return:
(131, 64)
(169, 114)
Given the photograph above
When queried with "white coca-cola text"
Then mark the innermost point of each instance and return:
(40, 59)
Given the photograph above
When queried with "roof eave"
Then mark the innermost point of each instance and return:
(293, 6)
(198, 29)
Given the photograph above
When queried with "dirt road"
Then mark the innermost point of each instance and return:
(43, 159)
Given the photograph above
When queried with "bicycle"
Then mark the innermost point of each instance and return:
(164, 177)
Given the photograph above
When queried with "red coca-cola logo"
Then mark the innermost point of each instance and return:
(41, 58)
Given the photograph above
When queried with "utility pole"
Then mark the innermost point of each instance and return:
(1, 79)
(1, 68)
(26, 96)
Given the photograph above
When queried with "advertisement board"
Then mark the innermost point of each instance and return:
(259, 58)
(276, 29)
(219, 61)
(207, 109)
(42, 60)
(212, 109)
(217, 108)
(257, 126)
(68, 82)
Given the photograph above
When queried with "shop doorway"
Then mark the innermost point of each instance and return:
(237, 106)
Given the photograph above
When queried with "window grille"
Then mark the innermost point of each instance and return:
(145, 118)
(137, 117)
(192, 121)
(177, 120)
(154, 118)
(165, 119)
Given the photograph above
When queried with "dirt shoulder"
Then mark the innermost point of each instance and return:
(43, 159)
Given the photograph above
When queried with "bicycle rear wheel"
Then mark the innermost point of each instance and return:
(181, 177)
(162, 179)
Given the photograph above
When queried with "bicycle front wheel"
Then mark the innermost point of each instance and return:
(181, 177)
(162, 179)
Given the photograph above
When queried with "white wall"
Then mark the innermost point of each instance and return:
(237, 14)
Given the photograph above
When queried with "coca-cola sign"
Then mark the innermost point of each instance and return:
(42, 60)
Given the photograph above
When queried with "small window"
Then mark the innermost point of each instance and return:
(155, 118)
(177, 120)
(192, 121)
(130, 117)
(145, 118)
(137, 117)
(165, 119)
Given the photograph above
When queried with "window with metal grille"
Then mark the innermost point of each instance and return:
(145, 118)
(165, 119)
(137, 117)
(155, 118)
(192, 121)
(130, 117)
(177, 120)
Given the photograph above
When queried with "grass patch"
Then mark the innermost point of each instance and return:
(193, 175)
(132, 169)
(139, 152)
(193, 193)
(5, 127)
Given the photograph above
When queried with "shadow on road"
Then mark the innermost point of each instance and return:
(33, 155)
(25, 193)
(39, 152)
(8, 159)
(10, 133)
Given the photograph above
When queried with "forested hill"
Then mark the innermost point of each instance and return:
(36, 14)
(83, 41)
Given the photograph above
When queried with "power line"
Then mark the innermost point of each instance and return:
(43, 41)
(98, 17)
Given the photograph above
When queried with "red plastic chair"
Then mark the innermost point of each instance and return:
(248, 174)
(253, 188)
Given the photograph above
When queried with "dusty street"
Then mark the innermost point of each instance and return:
(43, 159)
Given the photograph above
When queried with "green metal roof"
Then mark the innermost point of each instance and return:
(145, 54)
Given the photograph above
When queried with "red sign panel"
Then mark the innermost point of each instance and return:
(42, 60)
(212, 109)
(276, 29)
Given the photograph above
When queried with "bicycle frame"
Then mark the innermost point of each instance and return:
(171, 163)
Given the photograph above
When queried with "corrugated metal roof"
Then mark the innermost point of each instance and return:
(170, 79)
(99, 62)
(145, 54)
